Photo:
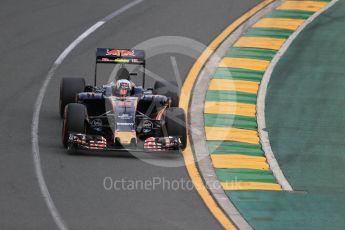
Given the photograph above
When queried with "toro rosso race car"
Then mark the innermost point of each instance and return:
(120, 115)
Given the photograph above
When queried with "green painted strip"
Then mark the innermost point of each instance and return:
(254, 53)
(293, 14)
(247, 171)
(225, 120)
(233, 147)
(236, 96)
(238, 74)
(245, 175)
(269, 32)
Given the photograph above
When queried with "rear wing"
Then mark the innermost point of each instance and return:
(114, 56)
(119, 56)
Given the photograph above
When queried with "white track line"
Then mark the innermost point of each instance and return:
(37, 109)
(272, 161)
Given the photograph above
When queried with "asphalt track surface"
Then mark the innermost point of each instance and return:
(33, 34)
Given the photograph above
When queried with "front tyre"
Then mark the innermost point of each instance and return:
(169, 89)
(69, 88)
(75, 116)
(175, 123)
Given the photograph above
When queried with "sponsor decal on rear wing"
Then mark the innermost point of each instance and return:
(126, 56)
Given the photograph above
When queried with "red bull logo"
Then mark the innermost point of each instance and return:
(120, 53)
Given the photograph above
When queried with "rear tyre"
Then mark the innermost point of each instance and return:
(170, 90)
(69, 88)
(74, 121)
(175, 123)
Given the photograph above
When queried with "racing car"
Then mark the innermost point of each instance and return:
(121, 115)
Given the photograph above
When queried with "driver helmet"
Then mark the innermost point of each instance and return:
(123, 88)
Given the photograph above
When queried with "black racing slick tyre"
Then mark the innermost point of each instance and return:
(169, 89)
(175, 123)
(69, 88)
(74, 121)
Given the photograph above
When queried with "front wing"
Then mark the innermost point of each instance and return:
(80, 141)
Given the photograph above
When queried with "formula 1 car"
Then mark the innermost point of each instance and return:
(96, 118)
